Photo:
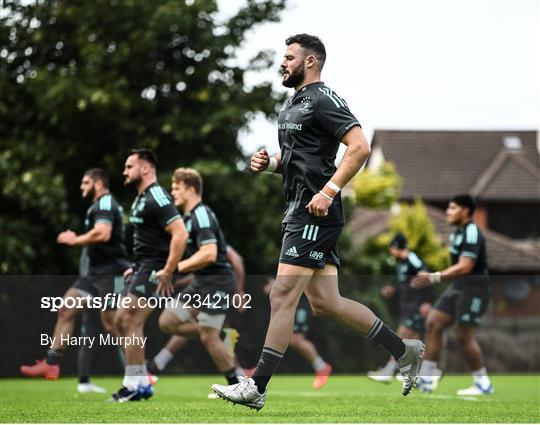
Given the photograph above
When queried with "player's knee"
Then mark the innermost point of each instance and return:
(128, 322)
(166, 324)
(434, 326)
(208, 336)
(464, 336)
(279, 299)
(320, 307)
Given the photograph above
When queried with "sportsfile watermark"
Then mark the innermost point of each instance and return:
(216, 301)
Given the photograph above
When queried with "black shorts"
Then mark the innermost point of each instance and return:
(211, 294)
(309, 245)
(465, 306)
(100, 285)
(302, 319)
(140, 282)
(414, 321)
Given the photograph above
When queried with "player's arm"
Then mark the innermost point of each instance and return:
(463, 267)
(355, 156)
(237, 263)
(262, 161)
(100, 233)
(206, 255)
(177, 246)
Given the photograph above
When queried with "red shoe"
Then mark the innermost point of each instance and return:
(321, 377)
(42, 368)
(152, 379)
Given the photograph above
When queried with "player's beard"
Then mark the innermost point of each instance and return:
(91, 193)
(132, 182)
(295, 77)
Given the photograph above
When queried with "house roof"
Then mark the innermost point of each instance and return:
(492, 165)
(504, 254)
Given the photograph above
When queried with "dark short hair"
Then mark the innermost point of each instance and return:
(146, 154)
(311, 43)
(399, 241)
(190, 177)
(466, 201)
(98, 174)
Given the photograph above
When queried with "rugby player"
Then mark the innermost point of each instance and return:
(463, 304)
(106, 257)
(159, 241)
(311, 125)
(414, 304)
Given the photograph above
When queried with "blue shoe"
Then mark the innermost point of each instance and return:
(145, 392)
(427, 384)
(123, 395)
(476, 389)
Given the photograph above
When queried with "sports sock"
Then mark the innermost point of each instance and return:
(54, 356)
(266, 367)
(143, 376)
(134, 376)
(318, 364)
(386, 338)
(84, 379)
(480, 377)
(163, 358)
(230, 376)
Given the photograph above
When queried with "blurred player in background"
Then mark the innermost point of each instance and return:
(201, 308)
(103, 261)
(463, 304)
(159, 241)
(414, 304)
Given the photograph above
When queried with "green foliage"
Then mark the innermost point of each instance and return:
(82, 82)
(413, 221)
(378, 189)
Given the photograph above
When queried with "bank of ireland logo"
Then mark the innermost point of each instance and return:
(316, 255)
(287, 117)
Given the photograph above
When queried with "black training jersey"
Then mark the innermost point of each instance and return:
(409, 298)
(311, 125)
(469, 242)
(113, 252)
(152, 211)
(203, 227)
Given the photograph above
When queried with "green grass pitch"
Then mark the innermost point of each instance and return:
(290, 399)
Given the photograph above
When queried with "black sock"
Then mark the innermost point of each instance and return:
(266, 367)
(84, 379)
(54, 356)
(230, 376)
(386, 338)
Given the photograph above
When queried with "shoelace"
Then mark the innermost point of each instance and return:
(239, 388)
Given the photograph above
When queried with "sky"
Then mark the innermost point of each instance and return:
(415, 64)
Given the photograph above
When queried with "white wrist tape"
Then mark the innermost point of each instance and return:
(435, 277)
(326, 196)
(272, 165)
(333, 186)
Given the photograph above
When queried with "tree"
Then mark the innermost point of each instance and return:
(378, 189)
(82, 82)
(414, 222)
